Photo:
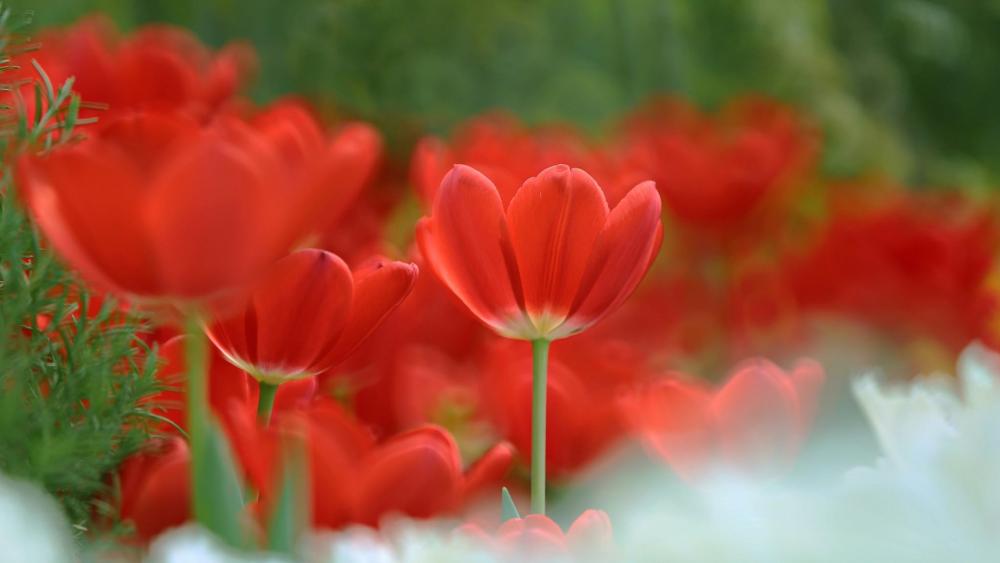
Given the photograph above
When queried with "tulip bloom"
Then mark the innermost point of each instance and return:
(717, 173)
(755, 422)
(157, 67)
(309, 313)
(155, 206)
(355, 480)
(551, 264)
(156, 488)
(913, 267)
(589, 535)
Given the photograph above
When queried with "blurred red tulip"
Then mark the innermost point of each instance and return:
(418, 368)
(157, 67)
(715, 173)
(154, 206)
(354, 480)
(910, 266)
(755, 422)
(589, 536)
(551, 264)
(309, 313)
(333, 169)
(156, 488)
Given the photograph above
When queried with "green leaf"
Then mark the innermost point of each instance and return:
(289, 517)
(508, 510)
(219, 500)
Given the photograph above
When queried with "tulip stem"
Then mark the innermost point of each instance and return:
(196, 358)
(539, 383)
(265, 402)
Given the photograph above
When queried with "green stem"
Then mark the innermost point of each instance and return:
(266, 402)
(196, 358)
(539, 384)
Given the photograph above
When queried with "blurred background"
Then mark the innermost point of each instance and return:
(901, 88)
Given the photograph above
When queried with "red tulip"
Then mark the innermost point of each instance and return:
(155, 488)
(716, 173)
(551, 264)
(332, 169)
(156, 67)
(589, 536)
(309, 313)
(756, 421)
(154, 206)
(353, 480)
(914, 267)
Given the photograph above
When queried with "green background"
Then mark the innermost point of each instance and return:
(906, 88)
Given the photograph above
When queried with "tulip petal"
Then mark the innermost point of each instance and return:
(488, 469)
(554, 220)
(301, 311)
(158, 490)
(757, 416)
(416, 473)
(673, 419)
(333, 469)
(379, 287)
(87, 201)
(292, 132)
(212, 218)
(464, 242)
(337, 176)
(295, 395)
(429, 164)
(622, 254)
(590, 531)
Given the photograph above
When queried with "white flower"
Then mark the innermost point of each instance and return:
(32, 525)
(193, 544)
(399, 541)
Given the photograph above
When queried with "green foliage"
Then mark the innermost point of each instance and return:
(71, 372)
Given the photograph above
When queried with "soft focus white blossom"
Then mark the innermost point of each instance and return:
(402, 541)
(32, 526)
(193, 544)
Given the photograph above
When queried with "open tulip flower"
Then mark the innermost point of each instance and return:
(155, 206)
(755, 422)
(554, 262)
(307, 315)
(551, 264)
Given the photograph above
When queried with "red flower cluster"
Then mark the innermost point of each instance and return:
(181, 198)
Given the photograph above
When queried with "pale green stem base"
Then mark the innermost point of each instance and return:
(539, 385)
